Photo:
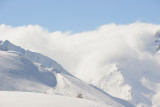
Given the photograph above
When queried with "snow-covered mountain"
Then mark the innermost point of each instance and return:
(122, 84)
(23, 70)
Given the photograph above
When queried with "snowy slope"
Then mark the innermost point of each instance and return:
(30, 99)
(15, 71)
(23, 70)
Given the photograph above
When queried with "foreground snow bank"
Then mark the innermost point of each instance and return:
(30, 99)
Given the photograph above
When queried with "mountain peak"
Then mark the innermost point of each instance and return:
(4, 45)
(7, 45)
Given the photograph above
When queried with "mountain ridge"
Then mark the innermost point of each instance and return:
(21, 67)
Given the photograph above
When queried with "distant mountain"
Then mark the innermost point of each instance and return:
(23, 70)
(157, 41)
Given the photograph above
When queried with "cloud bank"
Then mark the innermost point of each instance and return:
(92, 52)
(91, 55)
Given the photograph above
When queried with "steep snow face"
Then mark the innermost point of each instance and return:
(113, 82)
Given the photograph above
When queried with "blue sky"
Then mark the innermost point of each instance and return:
(77, 15)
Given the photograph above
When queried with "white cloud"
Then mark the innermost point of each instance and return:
(88, 52)
(89, 55)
